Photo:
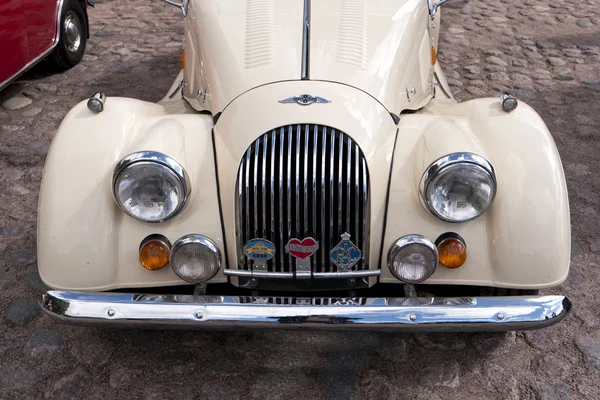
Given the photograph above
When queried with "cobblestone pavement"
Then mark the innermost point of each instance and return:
(547, 53)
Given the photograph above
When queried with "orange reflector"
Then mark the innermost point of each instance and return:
(182, 60)
(452, 253)
(154, 254)
(433, 56)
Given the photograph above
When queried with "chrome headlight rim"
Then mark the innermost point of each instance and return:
(156, 158)
(405, 241)
(447, 161)
(195, 238)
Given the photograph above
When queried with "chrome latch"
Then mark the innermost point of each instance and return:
(410, 92)
(203, 93)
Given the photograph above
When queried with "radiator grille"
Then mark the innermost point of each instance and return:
(301, 181)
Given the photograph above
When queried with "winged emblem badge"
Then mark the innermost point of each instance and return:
(305, 100)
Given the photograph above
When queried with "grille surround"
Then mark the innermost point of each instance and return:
(290, 181)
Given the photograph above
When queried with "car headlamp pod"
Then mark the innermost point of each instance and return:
(150, 186)
(458, 187)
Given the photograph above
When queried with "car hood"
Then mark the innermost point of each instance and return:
(382, 48)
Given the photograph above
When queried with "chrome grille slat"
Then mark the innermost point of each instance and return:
(255, 192)
(289, 195)
(305, 180)
(323, 200)
(328, 173)
(264, 185)
(281, 199)
(331, 194)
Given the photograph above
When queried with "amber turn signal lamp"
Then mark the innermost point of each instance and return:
(452, 250)
(433, 56)
(154, 252)
(182, 60)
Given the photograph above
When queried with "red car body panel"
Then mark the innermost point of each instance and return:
(28, 31)
(14, 40)
(41, 18)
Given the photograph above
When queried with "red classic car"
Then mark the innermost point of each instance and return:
(31, 30)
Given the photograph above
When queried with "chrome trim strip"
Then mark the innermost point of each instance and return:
(218, 312)
(258, 274)
(349, 274)
(305, 73)
(316, 275)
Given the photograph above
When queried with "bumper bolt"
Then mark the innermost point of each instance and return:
(111, 313)
(500, 316)
(412, 317)
(199, 315)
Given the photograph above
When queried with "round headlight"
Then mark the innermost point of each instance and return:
(150, 186)
(413, 258)
(458, 187)
(195, 258)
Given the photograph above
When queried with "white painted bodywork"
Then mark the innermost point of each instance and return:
(85, 242)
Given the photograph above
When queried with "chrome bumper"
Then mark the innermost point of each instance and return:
(231, 312)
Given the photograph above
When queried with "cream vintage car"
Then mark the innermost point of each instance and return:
(309, 168)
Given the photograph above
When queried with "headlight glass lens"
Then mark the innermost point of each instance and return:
(149, 190)
(458, 190)
(195, 258)
(413, 258)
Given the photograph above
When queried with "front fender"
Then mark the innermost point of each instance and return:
(523, 241)
(85, 242)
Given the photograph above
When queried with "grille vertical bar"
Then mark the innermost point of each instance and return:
(307, 181)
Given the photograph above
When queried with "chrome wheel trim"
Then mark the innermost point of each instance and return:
(72, 32)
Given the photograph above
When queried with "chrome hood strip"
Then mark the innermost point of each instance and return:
(305, 74)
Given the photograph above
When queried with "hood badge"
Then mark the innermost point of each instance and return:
(260, 251)
(305, 100)
(302, 250)
(345, 254)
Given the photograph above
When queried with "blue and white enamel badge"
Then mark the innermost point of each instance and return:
(345, 254)
(259, 251)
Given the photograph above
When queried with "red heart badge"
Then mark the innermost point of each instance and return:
(302, 249)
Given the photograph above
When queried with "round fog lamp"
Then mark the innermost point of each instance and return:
(154, 252)
(195, 258)
(413, 258)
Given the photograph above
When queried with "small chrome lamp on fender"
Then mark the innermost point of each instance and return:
(413, 258)
(458, 187)
(150, 186)
(195, 258)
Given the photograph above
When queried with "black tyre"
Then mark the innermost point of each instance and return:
(73, 36)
